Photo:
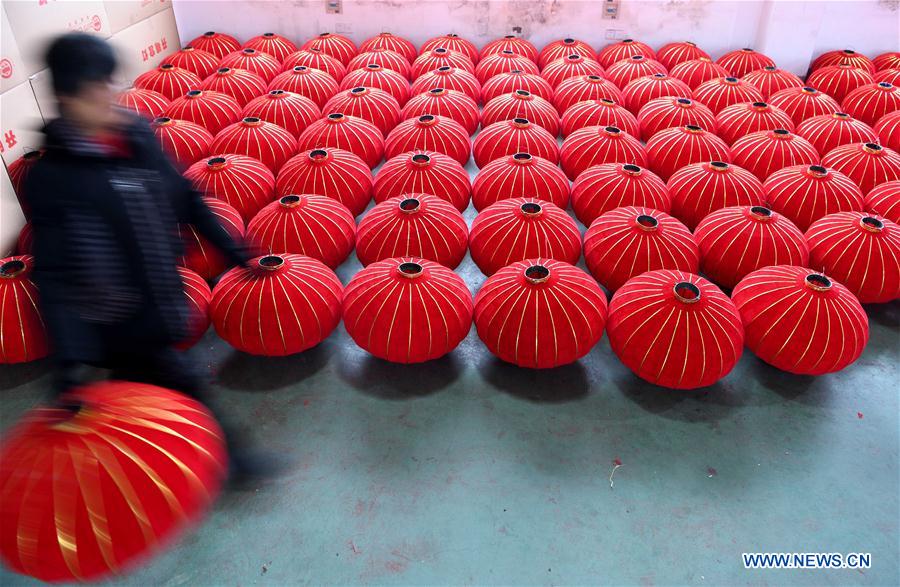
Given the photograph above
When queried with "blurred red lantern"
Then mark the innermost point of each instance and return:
(314, 84)
(891, 76)
(199, 254)
(582, 88)
(281, 305)
(839, 80)
(602, 188)
(842, 57)
(805, 193)
(698, 71)
(594, 145)
(23, 336)
(243, 182)
(444, 102)
(598, 113)
(350, 133)
(312, 59)
(25, 242)
(770, 79)
(671, 112)
(375, 76)
(219, 44)
(407, 310)
(622, 72)
(509, 137)
(740, 62)
(439, 57)
(390, 42)
(672, 54)
(569, 66)
(427, 172)
(452, 42)
(413, 225)
(740, 120)
(803, 103)
(430, 133)
(371, 104)
(861, 251)
(338, 46)
(290, 111)
(503, 62)
(330, 172)
(198, 295)
(828, 131)
(184, 142)
(275, 45)
(211, 110)
(563, 48)
(801, 321)
(448, 78)
(240, 84)
(262, 64)
(198, 61)
(305, 224)
(522, 228)
(91, 492)
(623, 50)
(626, 242)
(168, 80)
(147, 103)
(522, 104)
(641, 91)
(259, 139)
(540, 313)
(701, 188)
(889, 60)
(510, 43)
(671, 149)
(19, 169)
(765, 152)
(696, 337)
(871, 102)
(385, 58)
(520, 176)
(510, 81)
(866, 164)
(722, 92)
(883, 200)
(739, 239)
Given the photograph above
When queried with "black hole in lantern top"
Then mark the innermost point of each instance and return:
(436, 91)
(166, 66)
(426, 118)
(731, 80)
(410, 204)
(631, 168)
(276, 92)
(522, 157)
(300, 68)
(358, 90)
(209, 34)
(162, 120)
(647, 221)
(12, 268)
(223, 70)
(289, 200)
(873, 146)
(770, 68)
(809, 90)
(761, 211)
(760, 105)
(444, 68)
(719, 164)
(194, 92)
(271, 262)
(251, 119)
(781, 131)
(687, 292)
(821, 170)
(537, 273)
(523, 93)
(818, 281)
(683, 101)
(613, 130)
(516, 71)
(318, 154)
(335, 116)
(692, 127)
(421, 158)
(410, 269)
(568, 41)
(594, 77)
(531, 208)
(872, 222)
(507, 52)
(521, 121)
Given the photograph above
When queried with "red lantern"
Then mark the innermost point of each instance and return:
(275, 45)
(413, 225)
(262, 64)
(828, 131)
(375, 76)
(701, 188)
(740, 120)
(198, 295)
(290, 111)
(883, 200)
(385, 58)
(866, 164)
(740, 62)
(672, 54)
(89, 493)
(313, 59)
(240, 84)
(305, 224)
(18, 170)
(199, 254)
(198, 61)
(371, 104)
(510, 43)
(891, 76)
(671, 112)
(641, 91)
(390, 42)
(722, 92)
(430, 133)
(803, 103)
(259, 139)
(563, 48)
(673, 148)
(598, 113)
(211, 110)
(503, 62)
(522, 228)
(698, 71)
(594, 145)
(626, 242)
(439, 57)
(889, 60)
(623, 50)
(407, 310)
(510, 81)
(769, 80)
(184, 142)
(602, 188)
(739, 239)
(448, 78)
(765, 152)
(341, 131)
(569, 66)
(168, 80)
(219, 44)
(330, 172)
(801, 321)
(695, 338)
(842, 57)
(452, 42)
(339, 47)
(314, 84)
(282, 305)
(147, 103)
(450, 103)
(24, 337)
(509, 137)
(622, 72)
(860, 250)
(522, 104)
(805, 193)
(582, 88)
(520, 176)
(425, 172)
(871, 102)
(839, 80)
(25, 242)
(241, 181)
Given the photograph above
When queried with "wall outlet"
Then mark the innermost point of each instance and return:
(343, 28)
(615, 34)
(334, 6)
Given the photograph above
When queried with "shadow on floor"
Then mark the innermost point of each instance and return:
(884, 314)
(24, 373)
(707, 404)
(557, 385)
(385, 380)
(244, 372)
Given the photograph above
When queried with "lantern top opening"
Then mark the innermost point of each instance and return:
(687, 292)
(12, 268)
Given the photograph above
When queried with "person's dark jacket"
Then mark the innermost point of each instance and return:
(105, 241)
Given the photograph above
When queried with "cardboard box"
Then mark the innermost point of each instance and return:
(12, 68)
(20, 123)
(124, 13)
(42, 87)
(142, 46)
(11, 218)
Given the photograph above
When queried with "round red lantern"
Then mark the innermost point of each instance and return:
(240, 84)
(626, 242)
(407, 310)
(594, 145)
(883, 200)
(168, 80)
(866, 164)
(540, 313)
(211, 110)
(891, 76)
(25, 242)
(740, 62)
(375, 76)
(839, 80)
(510, 81)
(569, 66)
(623, 50)
(449, 78)
(739, 239)
(427, 172)
(341, 131)
(740, 120)
(801, 321)
(672, 54)
(18, 170)
(338, 46)
(522, 228)
(92, 491)
(313, 59)
(439, 57)
(842, 57)
(330, 172)
(671, 112)
(385, 58)
(371, 104)
(696, 336)
(430, 133)
(305, 224)
(803, 103)
(219, 44)
(510, 43)
(582, 88)
(828, 131)
(198, 295)
(563, 48)
(198, 61)
(243, 182)
(698, 71)
(861, 251)
(889, 60)
(390, 42)
(622, 72)
(522, 104)
(598, 113)
(443, 102)
(259, 139)
(721, 92)
(871, 102)
(184, 142)
(262, 64)
(314, 84)
(805, 193)
(283, 304)
(503, 62)
(24, 337)
(698, 189)
(671, 149)
(199, 254)
(413, 225)
(290, 111)
(509, 137)
(520, 176)
(147, 103)
(452, 42)
(764, 152)
(639, 92)
(602, 188)
(275, 45)
(770, 79)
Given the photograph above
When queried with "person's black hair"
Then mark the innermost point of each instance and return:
(75, 59)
